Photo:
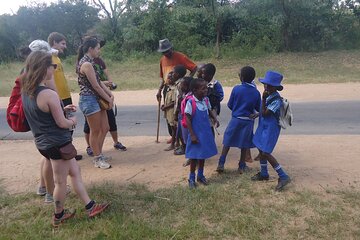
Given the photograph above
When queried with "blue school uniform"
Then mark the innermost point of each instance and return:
(243, 101)
(215, 95)
(268, 131)
(200, 122)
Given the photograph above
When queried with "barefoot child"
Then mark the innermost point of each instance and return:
(268, 131)
(178, 72)
(200, 143)
(244, 100)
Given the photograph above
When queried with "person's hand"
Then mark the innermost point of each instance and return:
(158, 95)
(111, 103)
(216, 123)
(70, 108)
(73, 119)
(162, 107)
(253, 115)
(194, 139)
(107, 83)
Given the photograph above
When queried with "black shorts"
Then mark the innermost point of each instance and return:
(52, 153)
(111, 120)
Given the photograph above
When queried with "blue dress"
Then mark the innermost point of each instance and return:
(244, 100)
(268, 131)
(206, 147)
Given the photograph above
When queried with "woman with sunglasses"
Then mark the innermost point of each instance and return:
(51, 129)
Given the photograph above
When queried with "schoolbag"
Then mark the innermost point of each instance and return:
(286, 116)
(193, 107)
(15, 115)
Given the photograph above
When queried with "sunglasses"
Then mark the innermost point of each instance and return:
(54, 65)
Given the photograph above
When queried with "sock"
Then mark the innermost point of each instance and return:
(90, 205)
(222, 160)
(200, 172)
(59, 215)
(282, 174)
(242, 165)
(192, 177)
(263, 168)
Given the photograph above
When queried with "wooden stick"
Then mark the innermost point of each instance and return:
(158, 121)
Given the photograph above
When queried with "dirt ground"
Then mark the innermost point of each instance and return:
(315, 162)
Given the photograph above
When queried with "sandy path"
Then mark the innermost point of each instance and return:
(314, 162)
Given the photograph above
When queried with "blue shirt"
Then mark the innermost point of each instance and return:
(215, 94)
(244, 100)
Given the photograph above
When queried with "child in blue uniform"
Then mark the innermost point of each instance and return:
(268, 131)
(200, 143)
(244, 100)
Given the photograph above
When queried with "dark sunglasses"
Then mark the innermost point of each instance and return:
(54, 65)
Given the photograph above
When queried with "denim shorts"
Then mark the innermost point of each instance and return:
(88, 104)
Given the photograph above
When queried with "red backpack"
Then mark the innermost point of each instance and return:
(193, 107)
(15, 115)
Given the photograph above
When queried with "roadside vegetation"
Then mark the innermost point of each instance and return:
(142, 72)
(231, 207)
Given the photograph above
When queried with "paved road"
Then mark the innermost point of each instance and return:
(310, 118)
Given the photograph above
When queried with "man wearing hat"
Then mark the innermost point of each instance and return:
(169, 60)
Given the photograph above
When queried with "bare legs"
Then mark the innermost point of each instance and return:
(99, 126)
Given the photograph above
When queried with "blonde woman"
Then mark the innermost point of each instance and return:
(46, 118)
(91, 89)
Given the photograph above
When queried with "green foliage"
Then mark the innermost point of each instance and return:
(199, 28)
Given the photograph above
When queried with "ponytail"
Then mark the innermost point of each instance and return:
(80, 53)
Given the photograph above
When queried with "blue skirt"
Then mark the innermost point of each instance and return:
(267, 134)
(206, 147)
(239, 133)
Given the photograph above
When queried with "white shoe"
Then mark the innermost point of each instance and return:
(105, 158)
(100, 163)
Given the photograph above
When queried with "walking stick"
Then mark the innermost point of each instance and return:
(158, 121)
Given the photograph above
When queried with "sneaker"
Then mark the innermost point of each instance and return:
(67, 215)
(192, 184)
(89, 151)
(220, 168)
(41, 191)
(282, 183)
(78, 157)
(244, 170)
(202, 180)
(258, 177)
(179, 151)
(97, 209)
(101, 163)
(48, 198)
(105, 158)
(119, 146)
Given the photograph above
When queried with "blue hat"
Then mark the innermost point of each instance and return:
(273, 79)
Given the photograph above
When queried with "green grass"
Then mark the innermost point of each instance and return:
(231, 207)
(143, 73)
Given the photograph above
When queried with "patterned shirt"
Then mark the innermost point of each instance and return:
(83, 81)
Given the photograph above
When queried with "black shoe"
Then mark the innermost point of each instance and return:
(202, 180)
(258, 177)
(78, 157)
(282, 183)
(192, 184)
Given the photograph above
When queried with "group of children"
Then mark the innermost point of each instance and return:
(191, 108)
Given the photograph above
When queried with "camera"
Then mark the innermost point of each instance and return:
(113, 86)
